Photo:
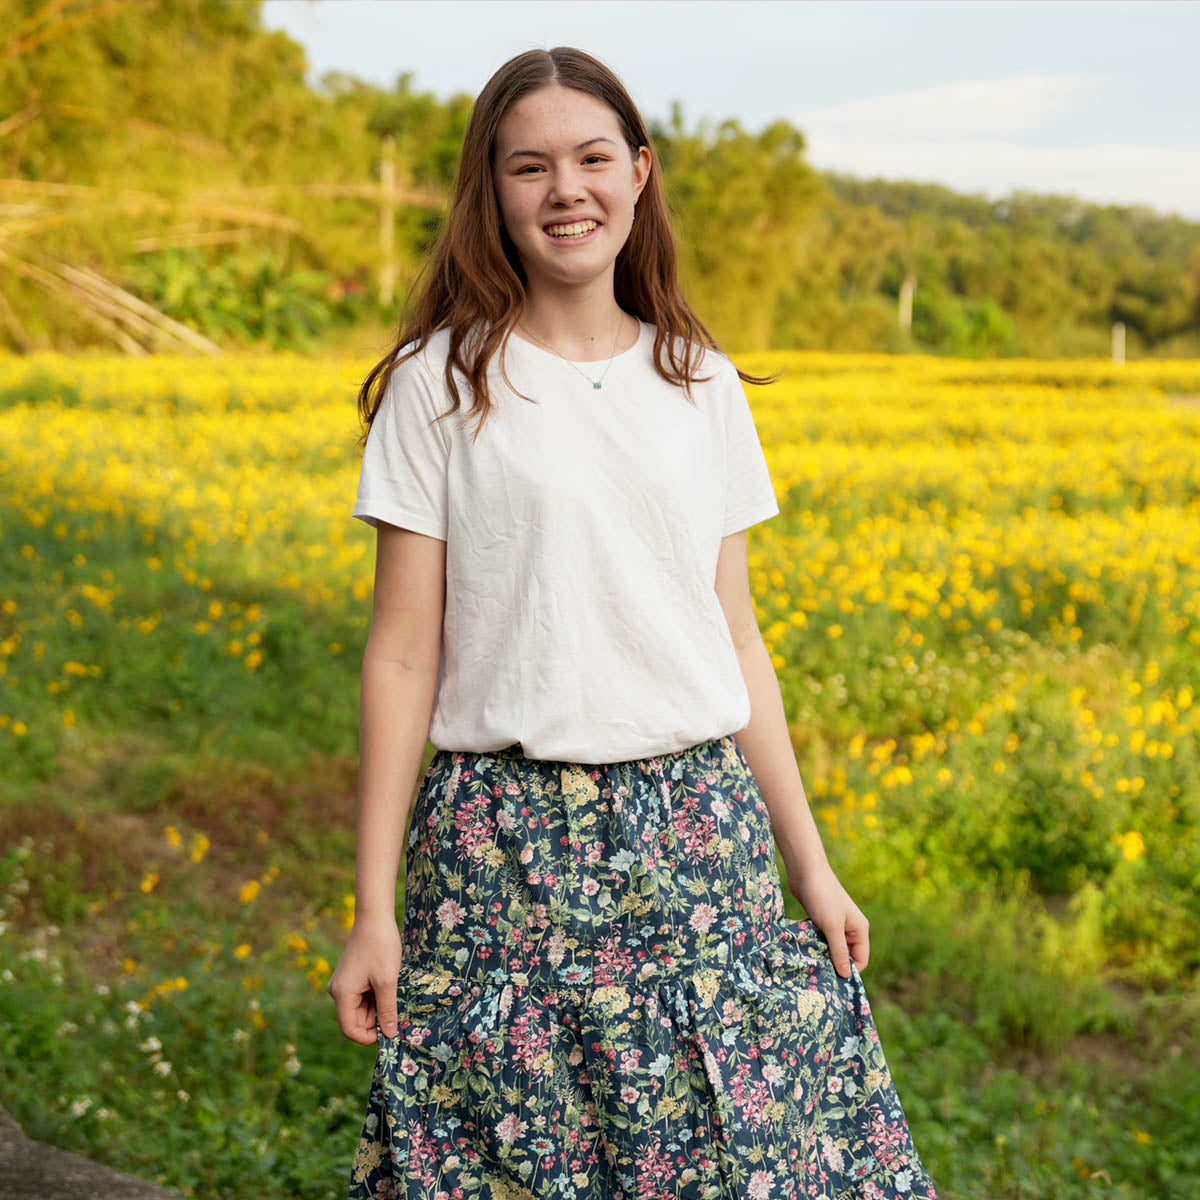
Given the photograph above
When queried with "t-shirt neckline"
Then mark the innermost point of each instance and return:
(586, 365)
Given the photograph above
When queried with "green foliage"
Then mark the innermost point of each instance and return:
(244, 298)
(190, 120)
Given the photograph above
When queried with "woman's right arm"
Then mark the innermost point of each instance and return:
(399, 681)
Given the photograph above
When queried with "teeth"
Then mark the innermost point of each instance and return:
(575, 230)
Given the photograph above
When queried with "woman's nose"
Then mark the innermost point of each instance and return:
(567, 186)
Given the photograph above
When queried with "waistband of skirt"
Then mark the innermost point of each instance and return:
(700, 751)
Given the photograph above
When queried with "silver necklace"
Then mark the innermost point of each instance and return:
(594, 382)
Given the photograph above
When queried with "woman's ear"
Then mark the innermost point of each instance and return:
(641, 172)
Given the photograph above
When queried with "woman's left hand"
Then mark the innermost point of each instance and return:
(837, 916)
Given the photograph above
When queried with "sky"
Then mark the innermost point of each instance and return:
(1097, 99)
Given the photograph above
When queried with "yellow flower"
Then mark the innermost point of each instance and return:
(174, 837)
(835, 631)
(149, 880)
(249, 891)
(243, 951)
(1132, 845)
(200, 845)
(1142, 1137)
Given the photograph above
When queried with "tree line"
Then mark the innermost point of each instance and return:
(170, 153)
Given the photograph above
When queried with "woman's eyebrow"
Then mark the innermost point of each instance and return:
(542, 153)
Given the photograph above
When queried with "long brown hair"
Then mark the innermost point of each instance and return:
(474, 274)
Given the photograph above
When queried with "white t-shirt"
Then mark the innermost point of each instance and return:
(582, 535)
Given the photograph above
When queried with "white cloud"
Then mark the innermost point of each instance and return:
(1006, 106)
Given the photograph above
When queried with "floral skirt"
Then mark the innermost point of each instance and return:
(602, 999)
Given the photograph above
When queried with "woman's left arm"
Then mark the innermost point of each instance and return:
(767, 745)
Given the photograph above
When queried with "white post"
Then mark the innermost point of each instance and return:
(906, 301)
(387, 220)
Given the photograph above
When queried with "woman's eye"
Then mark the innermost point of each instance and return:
(600, 158)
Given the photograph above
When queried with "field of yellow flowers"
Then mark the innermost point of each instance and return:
(981, 598)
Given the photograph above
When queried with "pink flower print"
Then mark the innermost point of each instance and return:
(832, 1153)
(720, 809)
(511, 1128)
(759, 1187)
(835, 1084)
(774, 1073)
(449, 913)
(551, 879)
(589, 886)
(629, 1095)
(703, 915)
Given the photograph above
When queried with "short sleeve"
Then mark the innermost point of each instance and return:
(749, 492)
(402, 479)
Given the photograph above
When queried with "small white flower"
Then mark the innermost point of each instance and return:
(151, 1043)
(80, 1105)
(162, 1068)
(182, 1095)
(101, 989)
(292, 1066)
(66, 1027)
(238, 1036)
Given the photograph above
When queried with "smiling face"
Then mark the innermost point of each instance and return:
(561, 161)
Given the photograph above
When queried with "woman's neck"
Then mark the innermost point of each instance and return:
(579, 328)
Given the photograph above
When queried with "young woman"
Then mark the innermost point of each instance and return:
(597, 993)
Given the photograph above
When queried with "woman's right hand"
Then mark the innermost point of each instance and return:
(363, 985)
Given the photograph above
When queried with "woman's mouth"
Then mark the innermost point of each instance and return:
(572, 231)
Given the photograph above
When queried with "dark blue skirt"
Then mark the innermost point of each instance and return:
(601, 997)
